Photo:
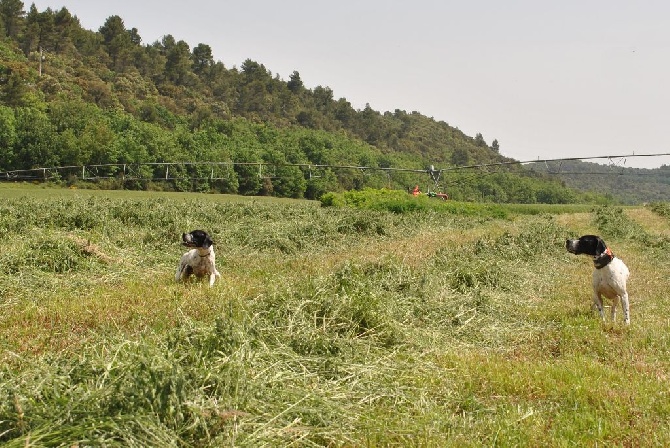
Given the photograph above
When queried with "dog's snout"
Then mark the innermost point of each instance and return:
(571, 245)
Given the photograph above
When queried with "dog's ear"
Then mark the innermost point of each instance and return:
(601, 247)
(207, 243)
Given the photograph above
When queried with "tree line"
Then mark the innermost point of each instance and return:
(72, 96)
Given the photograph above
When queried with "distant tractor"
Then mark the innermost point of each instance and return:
(435, 176)
(443, 196)
(431, 194)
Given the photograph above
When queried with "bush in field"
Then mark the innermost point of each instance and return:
(400, 202)
(391, 200)
(661, 209)
(613, 222)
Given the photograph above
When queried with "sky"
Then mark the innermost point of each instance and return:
(575, 78)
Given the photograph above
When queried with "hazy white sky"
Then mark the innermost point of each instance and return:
(575, 78)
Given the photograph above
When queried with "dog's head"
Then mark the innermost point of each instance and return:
(591, 245)
(197, 238)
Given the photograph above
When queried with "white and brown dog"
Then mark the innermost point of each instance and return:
(199, 261)
(609, 276)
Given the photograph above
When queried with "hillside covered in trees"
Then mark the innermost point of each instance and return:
(627, 185)
(73, 97)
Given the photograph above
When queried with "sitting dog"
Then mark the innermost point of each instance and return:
(609, 276)
(199, 261)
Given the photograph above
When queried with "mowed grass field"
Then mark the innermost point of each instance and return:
(329, 327)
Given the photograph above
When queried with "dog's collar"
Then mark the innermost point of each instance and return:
(603, 259)
(206, 255)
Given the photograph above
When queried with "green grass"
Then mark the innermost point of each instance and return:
(330, 326)
(397, 201)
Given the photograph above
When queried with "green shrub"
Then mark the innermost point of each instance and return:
(613, 222)
(661, 209)
(399, 202)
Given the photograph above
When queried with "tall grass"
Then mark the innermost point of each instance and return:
(330, 327)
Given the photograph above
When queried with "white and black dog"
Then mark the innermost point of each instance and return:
(609, 276)
(199, 261)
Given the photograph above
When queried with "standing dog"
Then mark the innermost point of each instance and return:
(609, 276)
(199, 261)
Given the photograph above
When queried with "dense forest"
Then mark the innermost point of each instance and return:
(73, 97)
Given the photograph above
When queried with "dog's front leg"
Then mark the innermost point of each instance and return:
(184, 271)
(212, 278)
